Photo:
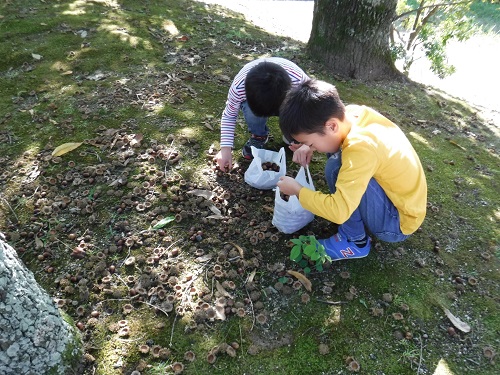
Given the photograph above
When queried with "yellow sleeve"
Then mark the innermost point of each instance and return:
(359, 162)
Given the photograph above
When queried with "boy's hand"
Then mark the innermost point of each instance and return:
(224, 159)
(302, 155)
(289, 186)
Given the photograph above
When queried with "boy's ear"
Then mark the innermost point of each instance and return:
(332, 124)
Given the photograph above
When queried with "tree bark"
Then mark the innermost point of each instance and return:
(352, 37)
(34, 338)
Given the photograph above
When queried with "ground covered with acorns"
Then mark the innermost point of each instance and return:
(110, 196)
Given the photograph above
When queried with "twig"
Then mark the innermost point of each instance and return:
(65, 245)
(172, 331)
(128, 255)
(251, 305)
(168, 158)
(8, 205)
(420, 359)
(241, 340)
(470, 360)
(130, 300)
(331, 302)
(123, 281)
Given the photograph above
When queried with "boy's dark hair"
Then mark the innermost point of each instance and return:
(266, 85)
(308, 107)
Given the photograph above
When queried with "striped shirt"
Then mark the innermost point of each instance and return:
(237, 95)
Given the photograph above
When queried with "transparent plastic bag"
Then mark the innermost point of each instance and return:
(262, 179)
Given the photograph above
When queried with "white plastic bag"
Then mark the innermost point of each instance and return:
(289, 216)
(257, 177)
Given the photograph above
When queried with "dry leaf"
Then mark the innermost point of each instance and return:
(220, 312)
(204, 258)
(239, 248)
(251, 276)
(208, 125)
(65, 148)
(38, 243)
(67, 73)
(304, 280)
(464, 327)
(207, 194)
(36, 56)
(215, 210)
(268, 208)
(221, 290)
(136, 141)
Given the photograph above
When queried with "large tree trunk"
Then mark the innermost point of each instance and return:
(352, 37)
(34, 338)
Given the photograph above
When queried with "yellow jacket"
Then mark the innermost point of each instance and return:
(374, 147)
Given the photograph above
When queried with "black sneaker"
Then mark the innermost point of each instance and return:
(257, 142)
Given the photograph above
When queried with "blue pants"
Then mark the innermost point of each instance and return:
(375, 212)
(256, 125)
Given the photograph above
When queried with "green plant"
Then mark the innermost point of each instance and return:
(308, 251)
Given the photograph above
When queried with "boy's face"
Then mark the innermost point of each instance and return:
(329, 142)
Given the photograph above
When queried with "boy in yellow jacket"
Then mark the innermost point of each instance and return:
(376, 181)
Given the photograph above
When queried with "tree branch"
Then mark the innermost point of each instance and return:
(402, 15)
(415, 28)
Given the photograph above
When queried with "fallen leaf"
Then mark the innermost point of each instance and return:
(136, 141)
(220, 312)
(215, 210)
(38, 243)
(218, 217)
(67, 73)
(239, 248)
(65, 148)
(462, 326)
(204, 258)
(221, 290)
(207, 194)
(304, 280)
(251, 276)
(36, 56)
(268, 208)
(456, 144)
(163, 222)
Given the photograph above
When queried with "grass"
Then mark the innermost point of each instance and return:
(161, 69)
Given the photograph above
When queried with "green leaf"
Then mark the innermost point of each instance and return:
(295, 253)
(303, 263)
(296, 241)
(309, 250)
(307, 270)
(315, 256)
(163, 222)
(319, 266)
(283, 280)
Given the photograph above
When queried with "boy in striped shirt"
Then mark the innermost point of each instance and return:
(258, 91)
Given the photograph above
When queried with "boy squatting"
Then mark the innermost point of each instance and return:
(258, 91)
(376, 181)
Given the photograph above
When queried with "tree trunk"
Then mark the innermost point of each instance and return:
(352, 37)
(34, 338)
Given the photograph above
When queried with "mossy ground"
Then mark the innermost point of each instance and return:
(71, 70)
